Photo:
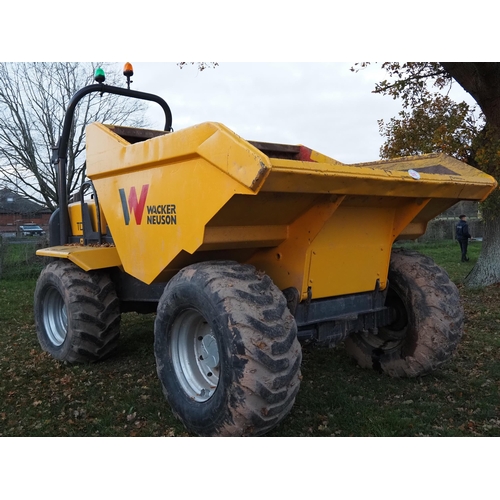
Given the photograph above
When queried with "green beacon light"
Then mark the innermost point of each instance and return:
(99, 75)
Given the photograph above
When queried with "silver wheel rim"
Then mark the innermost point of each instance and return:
(195, 355)
(55, 317)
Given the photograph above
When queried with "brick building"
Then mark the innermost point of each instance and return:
(16, 211)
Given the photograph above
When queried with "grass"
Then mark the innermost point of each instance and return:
(18, 259)
(122, 397)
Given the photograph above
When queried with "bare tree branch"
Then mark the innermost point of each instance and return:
(201, 65)
(33, 100)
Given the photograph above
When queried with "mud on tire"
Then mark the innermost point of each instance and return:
(429, 321)
(226, 350)
(77, 313)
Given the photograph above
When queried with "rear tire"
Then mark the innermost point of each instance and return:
(429, 321)
(77, 313)
(226, 350)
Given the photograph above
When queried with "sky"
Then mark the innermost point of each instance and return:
(323, 106)
(301, 100)
(320, 104)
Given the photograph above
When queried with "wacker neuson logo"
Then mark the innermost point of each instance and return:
(156, 214)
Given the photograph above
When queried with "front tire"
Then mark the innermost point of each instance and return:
(77, 313)
(226, 350)
(428, 324)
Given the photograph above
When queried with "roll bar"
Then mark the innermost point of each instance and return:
(62, 147)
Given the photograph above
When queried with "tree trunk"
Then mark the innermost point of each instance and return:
(487, 269)
(482, 82)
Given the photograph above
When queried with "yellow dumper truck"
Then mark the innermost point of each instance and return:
(243, 249)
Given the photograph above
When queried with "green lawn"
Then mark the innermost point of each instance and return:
(122, 397)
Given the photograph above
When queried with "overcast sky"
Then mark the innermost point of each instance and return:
(323, 106)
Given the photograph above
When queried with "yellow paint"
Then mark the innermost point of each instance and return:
(288, 263)
(75, 217)
(203, 193)
(87, 258)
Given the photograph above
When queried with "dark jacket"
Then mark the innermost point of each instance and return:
(462, 231)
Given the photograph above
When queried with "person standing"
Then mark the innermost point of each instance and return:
(462, 235)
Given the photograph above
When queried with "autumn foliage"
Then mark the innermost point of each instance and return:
(437, 125)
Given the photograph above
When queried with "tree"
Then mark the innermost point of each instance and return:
(420, 86)
(202, 66)
(33, 99)
(437, 125)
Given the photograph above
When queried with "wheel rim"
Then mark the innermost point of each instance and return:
(195, 355)
(55, 317)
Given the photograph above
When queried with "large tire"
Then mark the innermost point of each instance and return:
(428, 324)
(226, 350)
(77, 313)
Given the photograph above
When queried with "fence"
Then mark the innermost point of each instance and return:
(18, 259)
(444, 229)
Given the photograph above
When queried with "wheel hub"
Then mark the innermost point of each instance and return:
(55, 317)
(210, 351)
(195, 355)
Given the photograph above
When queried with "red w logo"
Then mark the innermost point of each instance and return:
(134, 205)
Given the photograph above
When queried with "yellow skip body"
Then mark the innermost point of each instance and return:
(308, 221)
